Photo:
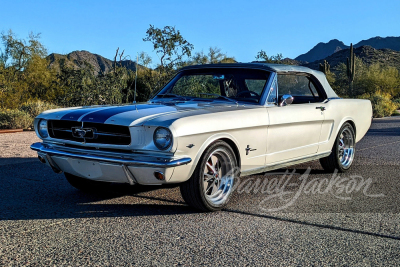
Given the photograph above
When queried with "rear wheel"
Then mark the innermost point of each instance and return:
(343, 150)
(211, 185)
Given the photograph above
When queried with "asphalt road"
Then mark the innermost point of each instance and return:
(354, 222)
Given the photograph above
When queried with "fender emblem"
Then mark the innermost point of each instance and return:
(248, 148)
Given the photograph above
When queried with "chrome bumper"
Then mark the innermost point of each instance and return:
(44, 149)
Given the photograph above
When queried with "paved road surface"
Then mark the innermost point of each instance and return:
(44, 221)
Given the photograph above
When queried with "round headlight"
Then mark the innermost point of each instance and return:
(162, 138)
(43, 129)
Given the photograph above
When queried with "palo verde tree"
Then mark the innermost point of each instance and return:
(19, 52)
(169, 44)
(171, 47)
(23, 70)
(214, 56)
(262, 56)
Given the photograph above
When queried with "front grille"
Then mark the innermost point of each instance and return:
(89, 132)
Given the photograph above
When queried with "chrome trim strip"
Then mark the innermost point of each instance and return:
(266, 90)
(99, 152)
(284, 164)
(40, 147)
(129, 175)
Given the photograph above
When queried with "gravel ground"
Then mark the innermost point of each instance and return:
(44, 221)
(14, 147)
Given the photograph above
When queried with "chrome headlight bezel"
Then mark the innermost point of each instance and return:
(162, 138)
(42, 128)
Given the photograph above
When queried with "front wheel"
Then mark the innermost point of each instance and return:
(211, 185)
(343, 151)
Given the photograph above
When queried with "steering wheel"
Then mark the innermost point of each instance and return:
(251, 93)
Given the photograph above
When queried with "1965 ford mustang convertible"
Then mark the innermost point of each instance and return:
(207, 126)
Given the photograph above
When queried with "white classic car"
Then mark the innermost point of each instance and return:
(207, 126)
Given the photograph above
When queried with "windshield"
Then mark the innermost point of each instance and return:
(219, 84)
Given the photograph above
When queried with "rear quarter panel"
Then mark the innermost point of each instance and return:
(339, 111)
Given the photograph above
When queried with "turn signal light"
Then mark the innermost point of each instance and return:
(159, 175)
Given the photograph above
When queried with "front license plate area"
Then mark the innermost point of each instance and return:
(88, 169)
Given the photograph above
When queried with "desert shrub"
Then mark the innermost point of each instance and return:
(397, 102)
(34, 108)
(368, 79)
(14, 119)
(382, 104)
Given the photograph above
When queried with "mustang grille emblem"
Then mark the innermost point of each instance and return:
(85, 133)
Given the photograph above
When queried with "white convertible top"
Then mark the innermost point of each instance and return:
(279, 68)
(317, 74)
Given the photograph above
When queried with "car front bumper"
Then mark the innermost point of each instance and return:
(109, 168)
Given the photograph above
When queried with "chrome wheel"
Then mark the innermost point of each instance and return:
(218, 177)
(346, 147)
(211, 184)
(343, 150)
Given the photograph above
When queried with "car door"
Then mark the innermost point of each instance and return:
(294, 130)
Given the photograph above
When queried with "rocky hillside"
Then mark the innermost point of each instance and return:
(77, 59)
(392, 43)
(368, 54)
(323, 50)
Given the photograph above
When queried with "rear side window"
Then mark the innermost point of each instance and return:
(296, 85)
(301, 87)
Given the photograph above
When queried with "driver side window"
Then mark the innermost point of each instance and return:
(255, 85)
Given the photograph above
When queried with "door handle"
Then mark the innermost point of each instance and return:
(321, 108)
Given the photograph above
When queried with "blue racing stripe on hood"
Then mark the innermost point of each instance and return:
(76, 114)
(102, 115)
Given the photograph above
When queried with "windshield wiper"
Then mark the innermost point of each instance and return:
(220, 96)
(171, 95)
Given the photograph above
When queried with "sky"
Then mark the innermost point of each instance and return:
(239, 28)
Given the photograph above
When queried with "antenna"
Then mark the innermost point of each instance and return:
(134, 96)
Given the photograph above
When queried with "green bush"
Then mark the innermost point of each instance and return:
(14, 119)
(382, 104)
(397, 102)
(34, 108)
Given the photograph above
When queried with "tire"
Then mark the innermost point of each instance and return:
(83, 184)
(343, 151)
(211, 185)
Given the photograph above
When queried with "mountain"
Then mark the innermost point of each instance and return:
(77, 59)
(323, 50)
(392, 43)
(368, 55)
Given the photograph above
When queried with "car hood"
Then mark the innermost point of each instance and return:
(140, 114)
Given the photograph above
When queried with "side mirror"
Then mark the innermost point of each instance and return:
(286, 100)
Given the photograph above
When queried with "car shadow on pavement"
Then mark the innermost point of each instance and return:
(325, 226)
(394, 119)
(395, 131)
(31, 190)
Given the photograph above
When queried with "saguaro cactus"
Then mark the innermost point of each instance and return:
(325, 67)
(351, 69)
